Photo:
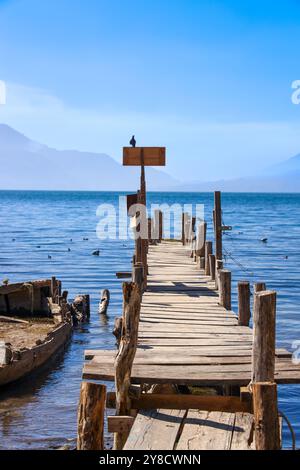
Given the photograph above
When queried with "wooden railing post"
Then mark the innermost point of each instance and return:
(138, 276)
(91, 412)
(202, 262)
(259, 286)
(212, 266)
(160, 226)
(263, 354)
(208, 251)
(126, 354)
(266, 427)
(219, 266)
(201, 239)
(225, 288)
(183, 222)
(218, 225)
(244, 303)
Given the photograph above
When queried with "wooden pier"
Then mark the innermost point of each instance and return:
(189, 372)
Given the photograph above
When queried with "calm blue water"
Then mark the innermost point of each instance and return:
(41, 412)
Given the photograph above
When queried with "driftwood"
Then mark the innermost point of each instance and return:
(81, 308)
(91, 413)
(126, 354)
(12, 320)
(104, 302)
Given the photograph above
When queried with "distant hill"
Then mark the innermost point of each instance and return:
(26, 164)
(283, 177)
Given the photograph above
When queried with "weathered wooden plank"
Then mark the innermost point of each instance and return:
(204, 430)
(155, 430)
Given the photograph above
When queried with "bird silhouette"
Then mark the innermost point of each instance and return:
(133, 141)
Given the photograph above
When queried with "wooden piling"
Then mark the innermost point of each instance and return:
(202, 262)
(259, 286)
(212, 266)
(91, 413)
(138, 276)
(263, 353)
(160, 226)
(244, 303)
(267, 429)
(126, 354)
(201, 239)
(218, 225)
(225, 288)
(208, 251)
(54, 290)
(219, 266)
(183, 220)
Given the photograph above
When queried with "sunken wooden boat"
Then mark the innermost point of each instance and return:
(35, 324)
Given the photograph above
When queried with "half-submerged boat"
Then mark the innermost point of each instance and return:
(35, 323)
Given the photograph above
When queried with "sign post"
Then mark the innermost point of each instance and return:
(142, 156)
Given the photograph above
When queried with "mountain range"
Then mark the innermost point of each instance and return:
(26, 164)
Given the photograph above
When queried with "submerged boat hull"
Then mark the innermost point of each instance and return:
(32, 358)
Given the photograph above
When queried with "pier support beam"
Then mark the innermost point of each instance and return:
(126, 354)
(267, 430)
(244, 303)
(263, 354)
(91, 413)
(212, 266)
(208, 251)
(225, 288)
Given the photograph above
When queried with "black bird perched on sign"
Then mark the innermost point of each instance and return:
(133, 141)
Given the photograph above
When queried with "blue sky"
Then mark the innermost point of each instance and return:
(211, 80)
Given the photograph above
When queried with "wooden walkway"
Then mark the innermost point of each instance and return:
(185, 336)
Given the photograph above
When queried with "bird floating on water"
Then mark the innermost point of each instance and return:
(96, 253)
(133, 141)
(49, 257)
(264, 240)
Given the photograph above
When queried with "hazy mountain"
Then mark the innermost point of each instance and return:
(282, 177)
(25, 164)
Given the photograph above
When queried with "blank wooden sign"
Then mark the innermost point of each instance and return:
(153, 156)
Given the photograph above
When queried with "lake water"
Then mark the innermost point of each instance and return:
(41, 411)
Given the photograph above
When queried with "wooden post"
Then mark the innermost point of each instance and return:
(225, 288)
(244, 303)
(219, 265)
(126, 354)
(267, 429)
(201, 239)
(259, 286)
(160, 226)
(208, 251)
(156, 225)
(212, 266)
(218, 225)
(91, 413)
(183, 220)
(202, 262)
(149, 230)
(263, 353)
(54, 289)
(138, 276)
